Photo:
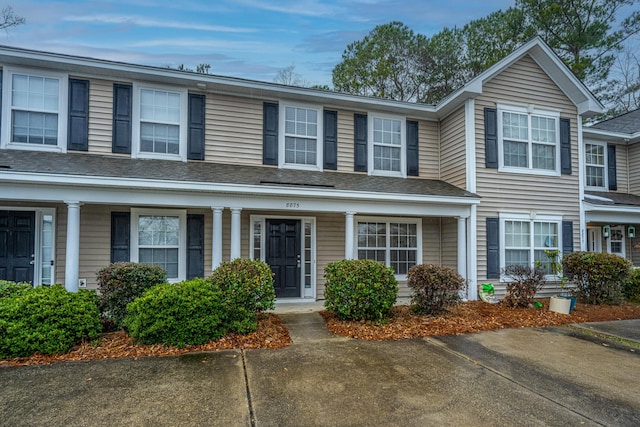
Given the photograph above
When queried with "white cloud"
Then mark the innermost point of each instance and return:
(144, 22)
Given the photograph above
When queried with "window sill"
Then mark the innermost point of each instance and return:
(158, 156)
(387, 173)
(314, 168)
(602, 189)
(34, 147)
(525, 171)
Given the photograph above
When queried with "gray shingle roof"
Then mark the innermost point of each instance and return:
(611, 199)
(94, 165)
(625, 123)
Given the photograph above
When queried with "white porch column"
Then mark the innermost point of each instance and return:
(72, 262)
(216, 238)
(349, 228)
(462, 249)
(235, 233)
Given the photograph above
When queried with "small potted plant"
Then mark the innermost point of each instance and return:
(561, 303)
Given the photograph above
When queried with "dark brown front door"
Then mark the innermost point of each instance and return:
(17, 231)
(283, 255)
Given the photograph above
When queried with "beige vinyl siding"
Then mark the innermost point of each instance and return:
(345, 141)
(453, 164)
(522, 84)
(431, 241)
(100, 116)
(330, 240)
(450, 243)
(622, 168)
(95, 241)
(429, 158)
(634, 168)
(233, 130)
(61, 242)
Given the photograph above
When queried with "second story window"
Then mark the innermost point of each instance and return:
(529, 140)
(595, 162)
(161, 118)
(387, 146)
(35, 110)
(301, 135)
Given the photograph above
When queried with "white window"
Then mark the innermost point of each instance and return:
(159, 237)
(160, 116)
(300, 137)
(35, 110)
(394, 242)
(529, 140)
(616, 242)
(595, 161)
(525, 240)
(387, 145)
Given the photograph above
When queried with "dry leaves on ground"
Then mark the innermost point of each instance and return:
(271, 333)
(474, 316)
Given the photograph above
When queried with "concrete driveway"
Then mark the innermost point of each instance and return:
(508, 377)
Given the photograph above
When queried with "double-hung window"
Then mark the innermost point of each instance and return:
(301, 136)
(529, 140)
(387, 145)
(395, 242)
(159, 237)
(160, 115)
(35, 109)
(595, 161)
(529, 241)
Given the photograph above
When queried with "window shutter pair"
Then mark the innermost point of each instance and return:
(270, 129)
(493, 245)
(491, 141)
(122, 118)
(121, 244)
(360, 142)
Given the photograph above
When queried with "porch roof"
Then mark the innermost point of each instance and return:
(111, 166)
(611, 199)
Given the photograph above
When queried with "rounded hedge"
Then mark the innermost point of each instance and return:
(435, 288)
(122, 282)
(190, 312)
(631, 286)
(598, 277)
(49, 320)
(249, 282)
(360, 290)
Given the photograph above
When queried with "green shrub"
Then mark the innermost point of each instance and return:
(524, 283)
(190, 312)
(631, 286)
(249, 282)
(121, 283)
(48, 320)
(597, 277)
(360, 290)
(435, 288)
(8, 288)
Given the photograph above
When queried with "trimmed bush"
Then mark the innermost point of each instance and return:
(190, 312)
(48, 320)
(8, 288)
(435, 288)
(122, 282)
(360, 290)
(631, 286)
(525, 282)
(597, 277)
(249, 282)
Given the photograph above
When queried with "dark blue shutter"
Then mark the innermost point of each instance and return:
(360, 143)
(270, 134)
(567, 237)
(611, 167)
(330, 153)
(120, 231)
(565, 146)
(121, 142)
(412, 149)
(78, 126)
(491, 137)
(493, 248)
(0, 100)
(195, 140)
(195, 246)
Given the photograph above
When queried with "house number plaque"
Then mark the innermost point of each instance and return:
(292, 205)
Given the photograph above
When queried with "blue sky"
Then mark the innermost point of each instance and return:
(243, 38)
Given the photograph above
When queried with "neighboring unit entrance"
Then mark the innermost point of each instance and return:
(283, 255)
(17, 240)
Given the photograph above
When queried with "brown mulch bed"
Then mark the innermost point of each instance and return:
(271, 333)
(472, 317)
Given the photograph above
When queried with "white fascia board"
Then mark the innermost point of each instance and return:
(612, 210)
(223, 188)
(629, 216)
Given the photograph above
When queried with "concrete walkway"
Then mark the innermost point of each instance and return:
(508, 377)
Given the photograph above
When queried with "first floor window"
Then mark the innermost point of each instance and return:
(160, 239)
(530, 242)
(393, 243)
